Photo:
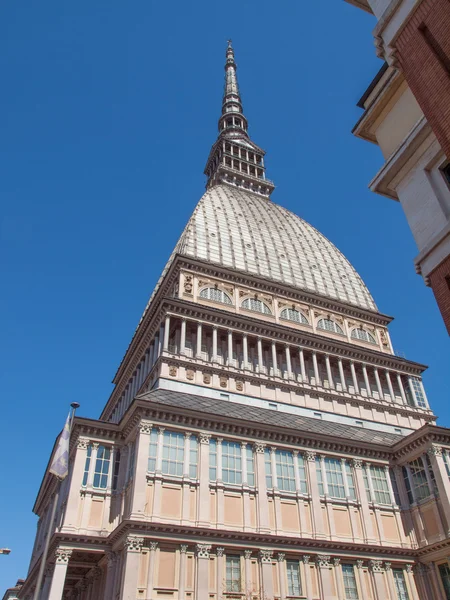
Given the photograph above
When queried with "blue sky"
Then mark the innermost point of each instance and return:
(108, 113)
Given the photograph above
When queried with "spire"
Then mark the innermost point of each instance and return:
(234, 158)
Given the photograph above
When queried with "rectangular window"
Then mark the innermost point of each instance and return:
(293, 578)
(250, 465)
(350, 482)
(233, 573)
(212, 459)
(446, 461)
(366, 484)
(407, 485)
(173, 453)
(193, 457)
(444, 572)
(380, 485)
(102, 467)
(319, 477)
(419, 479)
(348, 573)
(152, 451)
(431, 473)
(418, 391)
(394, 486)
(231, 462)
(400, 584)
(302, 474)
(130, 471)
(268, 467)
(285, 470)
(335, 479)
(87, 465)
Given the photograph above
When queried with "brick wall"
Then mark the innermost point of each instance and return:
(423, 50)
(441, 289)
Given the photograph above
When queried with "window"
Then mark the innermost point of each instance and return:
(250, 465)
(293, 578)
(294, 315)
(363, 335)
(212, 460)
(446, 462)
(380, 485)
(116, 470)
(400, 584)
(350, 482)
(418, 392)
(407, 485)
(348, 573)
(419, 479)
(173, 453)
(268, 467)
(444, 572)
(233, 574)
(394, 487)
(231, 462)
(366, 484)
(335, 470)
(431, 473)
(102, 467)
(87, 465)
(329, 325)
(256, 305)
(130, 471)
(152, 450)
(285, 470)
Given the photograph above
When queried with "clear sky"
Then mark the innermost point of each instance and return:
(108, 111)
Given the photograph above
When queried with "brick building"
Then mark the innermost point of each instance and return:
(407, 112)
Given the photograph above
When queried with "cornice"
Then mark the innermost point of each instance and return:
(420, 439)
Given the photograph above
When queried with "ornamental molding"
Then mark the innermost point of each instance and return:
(323, 560)
(357, 463)
(360, 564)
(336, 562)
(310, 455)
(376, 566)
(203, 550)
(184, 548)
(62, 555)
(435, 450)
(259, 447)
(305, 559)
(82, 443)
(281, 556)
(248, 554)
(153, 546)
(387, 566)
(220, 551)
(145, 426)
(134, 543)
(265, 556)
(204, 437)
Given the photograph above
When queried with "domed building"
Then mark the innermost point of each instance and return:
(263, 441)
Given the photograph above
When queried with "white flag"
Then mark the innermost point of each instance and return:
(60, 464)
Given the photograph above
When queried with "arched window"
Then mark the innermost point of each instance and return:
(329, 325)
(363, 335)
(216, 295)
(291, 314)
(256, 305)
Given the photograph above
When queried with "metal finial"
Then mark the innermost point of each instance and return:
(229, 42)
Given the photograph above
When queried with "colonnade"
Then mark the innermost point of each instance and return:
(267, 357)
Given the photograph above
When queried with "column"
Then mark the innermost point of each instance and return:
(132, 557)
(389, 482)
(379, 388)
(324, 568)
(390, 580)
(376, 567)
(366, 380)
(402, 388)
(260, 356)
(391, 389)
(62, 557)
(411, 583)
(316, 369)
(329, 372)
(442, 481)
(302, 365)
(202, 552)
(214, 343)
(182, 573)
(263, 505)
(183, 337)
(198, 352)
(307, 570)
(111, 565)
(220, 571)
(161, 339)
(362, 497)
(48, 576)
(341, 375)
(316, 508)
(282, 574)
(354, 377)
(248, 573)
(339, 578)
(365, 593)
(288, 362)
(203, 503)
(73, 499)
(151, 570)
(274, 360)
(139, 489)
(245, 350)
(230, 348)
(265, 557)
(151, 358)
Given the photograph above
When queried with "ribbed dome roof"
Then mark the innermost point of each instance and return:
(239, 230)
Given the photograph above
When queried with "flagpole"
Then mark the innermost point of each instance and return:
(37, 590)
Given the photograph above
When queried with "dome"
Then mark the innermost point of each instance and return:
(239, 230)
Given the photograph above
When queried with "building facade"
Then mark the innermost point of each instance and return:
(262, 440)
(11, 593)
(407, 113)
